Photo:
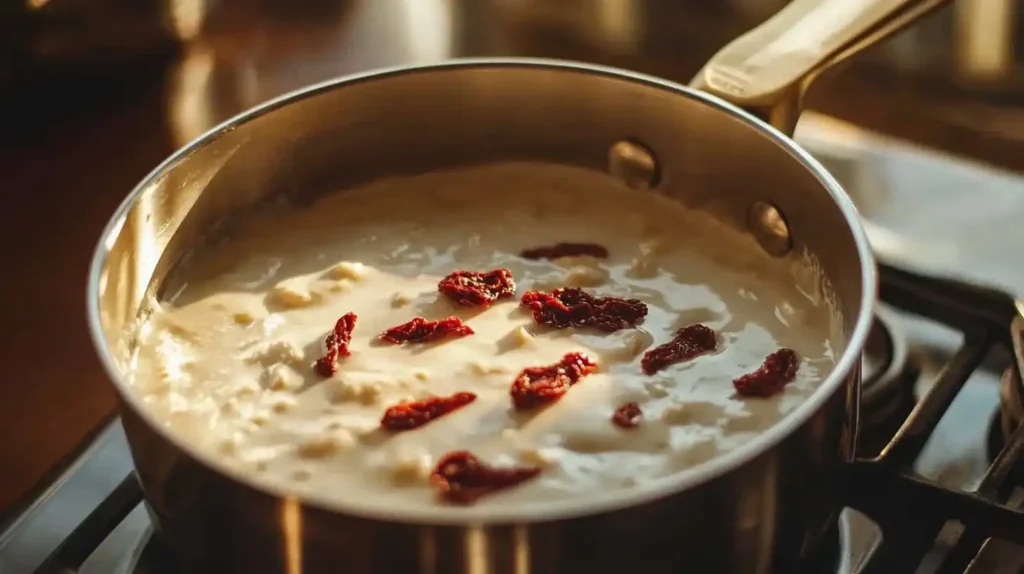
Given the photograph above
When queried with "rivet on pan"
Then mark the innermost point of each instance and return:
(770, 228)
(633, 164)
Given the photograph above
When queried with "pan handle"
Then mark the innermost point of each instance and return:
(768, 69)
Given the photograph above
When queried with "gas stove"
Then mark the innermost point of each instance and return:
(942, 398)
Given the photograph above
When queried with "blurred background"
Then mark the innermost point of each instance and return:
(95, 93)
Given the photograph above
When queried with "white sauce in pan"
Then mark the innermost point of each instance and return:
(226, 363)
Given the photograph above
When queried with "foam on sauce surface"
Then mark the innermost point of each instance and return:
(226, 361)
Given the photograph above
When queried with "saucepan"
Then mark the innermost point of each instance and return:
(721, 145)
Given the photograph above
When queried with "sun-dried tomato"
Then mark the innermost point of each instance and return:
(574, 307)
(420, 330)
(411, 415)
(565, 250)
(628, 415)
(475, 289)
(337, 342)
(688, 342)
(463, 478)
(537, 386)
(778, 370)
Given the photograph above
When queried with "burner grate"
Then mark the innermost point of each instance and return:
(93, 531)
(912, 511)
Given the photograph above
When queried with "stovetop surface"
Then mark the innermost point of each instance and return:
(924, 211)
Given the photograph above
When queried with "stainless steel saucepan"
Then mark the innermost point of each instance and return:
(721, 145)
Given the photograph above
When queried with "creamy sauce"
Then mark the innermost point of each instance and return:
(226, 361)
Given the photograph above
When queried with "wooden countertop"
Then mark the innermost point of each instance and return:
(57, 192)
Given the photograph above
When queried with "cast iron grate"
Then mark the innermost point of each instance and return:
(910, 510)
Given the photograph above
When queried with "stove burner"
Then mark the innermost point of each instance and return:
(1011, 407)
(1009, 415)
(889, 374)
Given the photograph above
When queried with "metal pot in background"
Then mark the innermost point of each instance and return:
(758, 509)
